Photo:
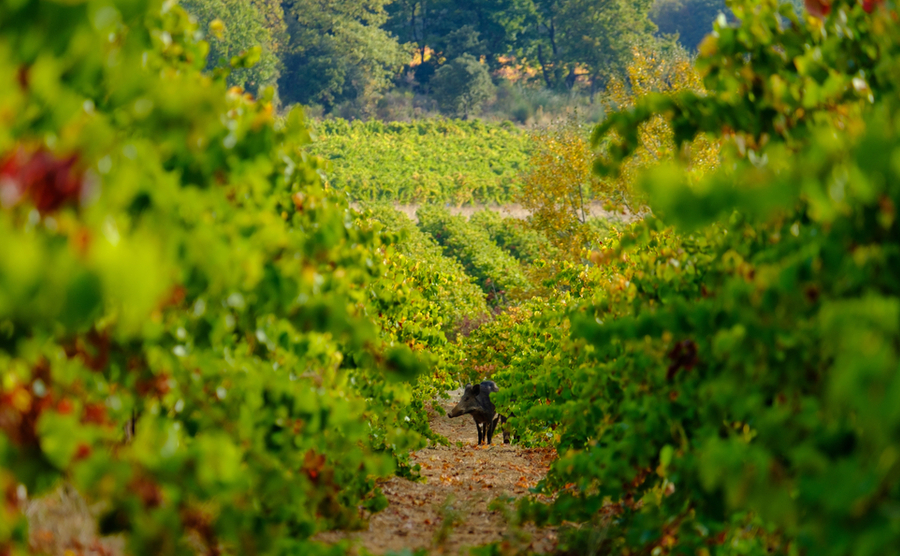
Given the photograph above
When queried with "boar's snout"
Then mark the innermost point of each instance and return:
(469, 401)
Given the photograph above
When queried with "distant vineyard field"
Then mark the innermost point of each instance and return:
(439, 161)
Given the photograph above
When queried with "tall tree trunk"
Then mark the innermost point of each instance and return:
(553, 40)
(543, 64)
(571, 78)
(412, 25)
(424, 19)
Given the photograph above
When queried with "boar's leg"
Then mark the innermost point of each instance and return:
(505, 429)
(492, 425)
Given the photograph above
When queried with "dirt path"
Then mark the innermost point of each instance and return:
(512, 210)
(449, 512)
(446, 514)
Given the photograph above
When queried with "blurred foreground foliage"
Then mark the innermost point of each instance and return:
(198, 333)
(194, 330)
(721, 377)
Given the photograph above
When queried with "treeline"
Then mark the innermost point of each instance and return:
(395, 59)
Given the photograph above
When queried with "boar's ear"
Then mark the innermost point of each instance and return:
(468, 386)
(476, 389)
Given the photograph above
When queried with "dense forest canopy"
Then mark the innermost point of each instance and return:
(347, 56)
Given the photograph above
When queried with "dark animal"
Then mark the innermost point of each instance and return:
(476, 401)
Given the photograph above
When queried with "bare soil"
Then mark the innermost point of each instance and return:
(62, 524)
(446, 513)
(449, 512)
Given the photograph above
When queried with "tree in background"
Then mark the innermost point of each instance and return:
(561, 182)
(544, 44)
(567, 39)
(344, 54)
(273, 20)
(498, 27)
(461, 86)
(241, 26)
(465, 40)
(587, 38)
(691, 19)
(668, 71)
(559, 185)
(338, 51)
(599, 36)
